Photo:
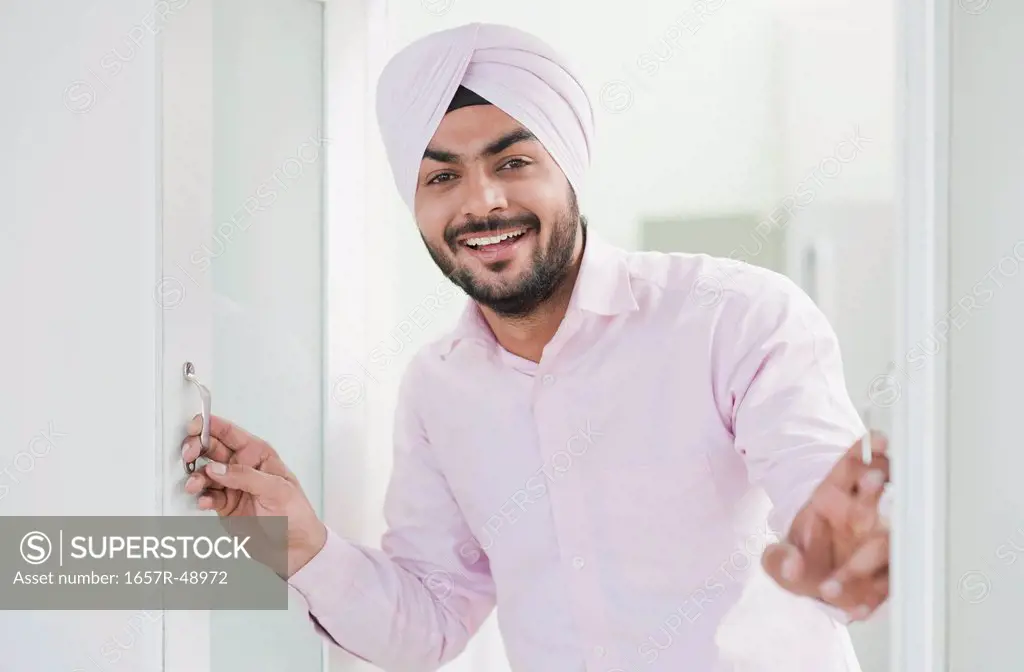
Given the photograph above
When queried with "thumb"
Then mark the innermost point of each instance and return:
(241, 477)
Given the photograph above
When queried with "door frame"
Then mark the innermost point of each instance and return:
(355, 45)
(920, 441)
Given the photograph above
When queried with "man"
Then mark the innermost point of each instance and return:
(595, 447)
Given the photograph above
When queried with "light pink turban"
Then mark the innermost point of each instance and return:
(514, 70)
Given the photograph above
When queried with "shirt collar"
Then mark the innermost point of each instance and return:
(602, 287)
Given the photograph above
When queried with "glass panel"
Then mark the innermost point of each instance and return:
(265, 259)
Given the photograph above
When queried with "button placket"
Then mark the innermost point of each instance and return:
(570, 516)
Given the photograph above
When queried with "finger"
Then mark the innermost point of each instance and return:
(871, 485)
(868, 561)
(253, 455)
(231, 435)
(785, 564)
(191, 450)
(848, 471)
(817, 546)
(869, 494)
(879, 447)
(851, 466)
(862, 612)
(244, 478)
(798, 529)
(879, 594)
(880, 464)
(195, 425)
(858, 511)
(844, 510)
(216, 500)
(861, 598)
(199, 481)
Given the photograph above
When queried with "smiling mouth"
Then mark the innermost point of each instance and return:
(478, 242)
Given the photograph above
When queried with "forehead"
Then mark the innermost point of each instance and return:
(469, 129)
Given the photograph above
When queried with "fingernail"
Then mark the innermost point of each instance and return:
(790, 569)
(831, 589)
(217, 468)
(874, 479)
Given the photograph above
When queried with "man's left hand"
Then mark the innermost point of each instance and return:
(837, 549)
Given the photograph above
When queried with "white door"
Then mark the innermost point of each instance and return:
(242, 282)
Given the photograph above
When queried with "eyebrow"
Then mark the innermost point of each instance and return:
(496, 147)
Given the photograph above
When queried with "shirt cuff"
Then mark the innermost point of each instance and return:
(329, 574)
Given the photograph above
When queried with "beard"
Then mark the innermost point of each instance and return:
(549, 267)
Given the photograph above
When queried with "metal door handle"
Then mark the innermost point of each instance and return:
(204, 395)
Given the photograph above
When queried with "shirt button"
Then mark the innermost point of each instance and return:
(578, 562)
(549, 380)
(599, 650)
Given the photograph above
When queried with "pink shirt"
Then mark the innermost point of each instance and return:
(612, 500)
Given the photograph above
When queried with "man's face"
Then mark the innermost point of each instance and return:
(495, 211)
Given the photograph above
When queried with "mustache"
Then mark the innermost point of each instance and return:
(490, 225)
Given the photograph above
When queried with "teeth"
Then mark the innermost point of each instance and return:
(491, 240)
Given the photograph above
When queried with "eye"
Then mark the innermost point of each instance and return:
(441, 177)
(515, 163)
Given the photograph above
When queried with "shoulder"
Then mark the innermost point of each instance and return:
(430, 364)
(715, 288)
(418, 368)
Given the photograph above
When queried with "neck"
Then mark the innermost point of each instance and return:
(527, 336)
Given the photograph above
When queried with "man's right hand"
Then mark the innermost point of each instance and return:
(246, 477)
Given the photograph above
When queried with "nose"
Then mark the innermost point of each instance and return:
(483, 196)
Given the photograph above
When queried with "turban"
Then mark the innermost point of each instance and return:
(513, 70)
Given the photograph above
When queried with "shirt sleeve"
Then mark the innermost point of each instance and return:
(783, 391)
(414, 603)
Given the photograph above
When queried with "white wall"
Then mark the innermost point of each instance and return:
(986, 535)
(78, 260)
